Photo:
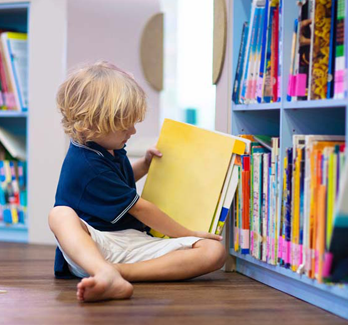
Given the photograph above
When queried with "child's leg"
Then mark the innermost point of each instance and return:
(72, 234)
(206, 256)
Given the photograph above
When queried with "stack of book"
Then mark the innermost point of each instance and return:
(297, 234)
(255, 204)
(13, 190)
(13, 71)
(319, 52)
(196, 179)
(258, 73)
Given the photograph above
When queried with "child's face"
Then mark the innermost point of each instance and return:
(116, 140)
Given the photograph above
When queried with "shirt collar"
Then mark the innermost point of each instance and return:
(99, 150)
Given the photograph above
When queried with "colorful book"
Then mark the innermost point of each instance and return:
(321, 49)
(178, 182)
(14, 47)
(340, 62)
(332, 55)
(240, 64)
(232, 186)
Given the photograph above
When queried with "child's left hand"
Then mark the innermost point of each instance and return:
(207, 235)
(153, 151)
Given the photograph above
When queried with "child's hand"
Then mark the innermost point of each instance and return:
(153, 151)
(207, 235)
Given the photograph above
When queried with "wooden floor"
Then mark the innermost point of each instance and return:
(34, 297)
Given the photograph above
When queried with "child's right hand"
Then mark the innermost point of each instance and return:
(207, 235)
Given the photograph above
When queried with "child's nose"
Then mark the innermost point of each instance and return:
(133, 130)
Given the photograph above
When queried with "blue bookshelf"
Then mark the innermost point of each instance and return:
(284, 119)
(14, 17)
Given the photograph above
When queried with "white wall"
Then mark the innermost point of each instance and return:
(64, 33)
(224, 86)
(111, 30)
(46, 140)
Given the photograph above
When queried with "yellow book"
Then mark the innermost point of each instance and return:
(186, 182)
(296, 215)
(321, 231)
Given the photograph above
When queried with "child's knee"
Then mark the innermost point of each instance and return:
(220, 255)
(215, 253)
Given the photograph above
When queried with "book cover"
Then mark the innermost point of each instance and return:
(219, 206)
(321, 49)
(14, 144)
(187, 181)
(304, 52)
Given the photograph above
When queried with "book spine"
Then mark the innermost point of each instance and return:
(260, 81)
(257, 63)
(288, 214)
(244, 82)
(304, 53)
(291, 81)
(275, 55)
(239, 69)
(265, 178)
(280, 55)
(311, 16)
(267, 88)
(253, 56)
(332, 56)
(320, 50)
(340, 61)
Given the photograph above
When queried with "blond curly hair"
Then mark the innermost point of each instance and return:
(98, 99)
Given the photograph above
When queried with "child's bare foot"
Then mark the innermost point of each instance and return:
(105, 285)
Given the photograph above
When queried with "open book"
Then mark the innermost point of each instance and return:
(192, 181)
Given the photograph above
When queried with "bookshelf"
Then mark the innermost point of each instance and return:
(14, 16)
(284, 119)
(59, 38)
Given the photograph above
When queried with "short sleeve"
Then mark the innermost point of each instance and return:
(107, 197)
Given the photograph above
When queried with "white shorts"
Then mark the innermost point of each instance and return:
(129, 246)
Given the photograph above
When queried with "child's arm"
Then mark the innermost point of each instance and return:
(153, 217)
(141, 166)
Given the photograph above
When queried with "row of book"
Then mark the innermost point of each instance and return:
(297, 234)
(319, 56)
(13, 71)
(13, 193)
(258, 77)
(13, 171)
(319, 53)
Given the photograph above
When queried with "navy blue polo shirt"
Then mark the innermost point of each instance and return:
(100, 188)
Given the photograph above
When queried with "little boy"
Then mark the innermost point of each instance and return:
(99, 220)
